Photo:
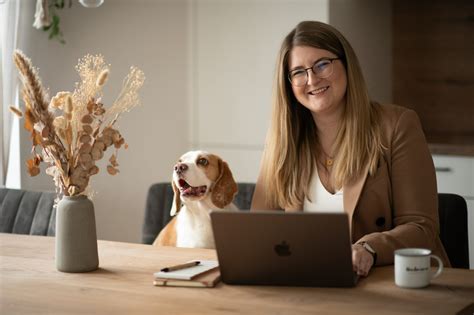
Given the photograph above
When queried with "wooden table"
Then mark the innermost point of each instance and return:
(30, 284)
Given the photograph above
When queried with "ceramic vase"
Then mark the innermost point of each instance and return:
(76, 237)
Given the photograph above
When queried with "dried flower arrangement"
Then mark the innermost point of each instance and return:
(72, 131)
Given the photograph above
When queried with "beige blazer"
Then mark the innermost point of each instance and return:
(397, 207)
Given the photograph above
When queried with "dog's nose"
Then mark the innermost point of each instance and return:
(180, 168)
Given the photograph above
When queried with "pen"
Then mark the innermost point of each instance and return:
(182, 266)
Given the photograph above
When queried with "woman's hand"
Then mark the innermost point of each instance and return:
(362, 260)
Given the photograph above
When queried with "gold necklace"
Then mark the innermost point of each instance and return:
(329, 161)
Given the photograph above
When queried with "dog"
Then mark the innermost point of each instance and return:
(201, 182)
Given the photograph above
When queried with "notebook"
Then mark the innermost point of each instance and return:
(188, 273)
(205, 280)
(281, 248)
(206, 274)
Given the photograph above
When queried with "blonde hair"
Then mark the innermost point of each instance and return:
(291, 146)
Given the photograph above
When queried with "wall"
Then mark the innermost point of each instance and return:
(367, 25)
(434, 71)
(235, 44)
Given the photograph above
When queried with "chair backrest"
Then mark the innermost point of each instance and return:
(160, 199)
(452, 217)
(27, 212)
(453, 229)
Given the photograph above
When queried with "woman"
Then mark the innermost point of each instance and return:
(329, 148)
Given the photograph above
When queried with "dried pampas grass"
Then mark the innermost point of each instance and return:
(72, 131)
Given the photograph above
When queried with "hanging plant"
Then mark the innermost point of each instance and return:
(47, 17)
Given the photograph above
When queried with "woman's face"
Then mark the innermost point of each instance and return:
(319, 95)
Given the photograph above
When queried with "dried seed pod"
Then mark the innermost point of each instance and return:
(33, 171)
(119, 143)
(85, 139)
(16, 111)
(87, 129)
(108, 132)
(87, 119)
(32, 168)
(107, 141)
(99, 111)
(93, 170)
(78, 174)
(90, 106)
(85, 148)
(102, 78)
(45, 132)
(98, 144)
(36, 136)
(113, 160)
(86, 166)
(37, 159)
(111, 170)
(84, 158)
(116, 137)
(97, 154)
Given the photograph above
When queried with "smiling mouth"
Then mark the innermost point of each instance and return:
(190, 191)
(318, 91)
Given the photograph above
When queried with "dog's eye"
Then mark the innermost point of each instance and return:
(202, 161)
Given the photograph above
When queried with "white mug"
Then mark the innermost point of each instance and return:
(413, 267)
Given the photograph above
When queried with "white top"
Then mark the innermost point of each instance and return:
(321, 199)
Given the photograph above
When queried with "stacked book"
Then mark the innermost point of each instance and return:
(204, 274)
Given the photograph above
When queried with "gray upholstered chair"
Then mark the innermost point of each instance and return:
(27, 212)
(160, 199)
(452, 216)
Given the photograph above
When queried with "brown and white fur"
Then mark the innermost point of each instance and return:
(202, 182)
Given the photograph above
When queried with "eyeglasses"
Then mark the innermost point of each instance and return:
(322, 68)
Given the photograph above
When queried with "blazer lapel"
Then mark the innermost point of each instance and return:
(351, 194)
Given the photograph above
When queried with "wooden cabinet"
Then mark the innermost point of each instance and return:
(433, 69)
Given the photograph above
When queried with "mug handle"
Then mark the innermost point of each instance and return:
(440, 266)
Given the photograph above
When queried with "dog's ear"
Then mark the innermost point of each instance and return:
(176, 200)
(225, 187)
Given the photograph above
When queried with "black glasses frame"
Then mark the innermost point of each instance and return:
(312, 67)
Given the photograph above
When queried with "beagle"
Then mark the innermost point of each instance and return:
(201, 182)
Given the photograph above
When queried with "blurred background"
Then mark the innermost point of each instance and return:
(209, 69)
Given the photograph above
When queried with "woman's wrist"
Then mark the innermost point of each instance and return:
(369, 249)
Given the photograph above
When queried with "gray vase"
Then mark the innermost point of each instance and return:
(76, 237)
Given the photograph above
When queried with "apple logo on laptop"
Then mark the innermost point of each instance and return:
(282, 249)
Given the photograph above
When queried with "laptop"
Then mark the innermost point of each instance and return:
(281, 248)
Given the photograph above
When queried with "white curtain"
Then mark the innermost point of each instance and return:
(9, 19)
